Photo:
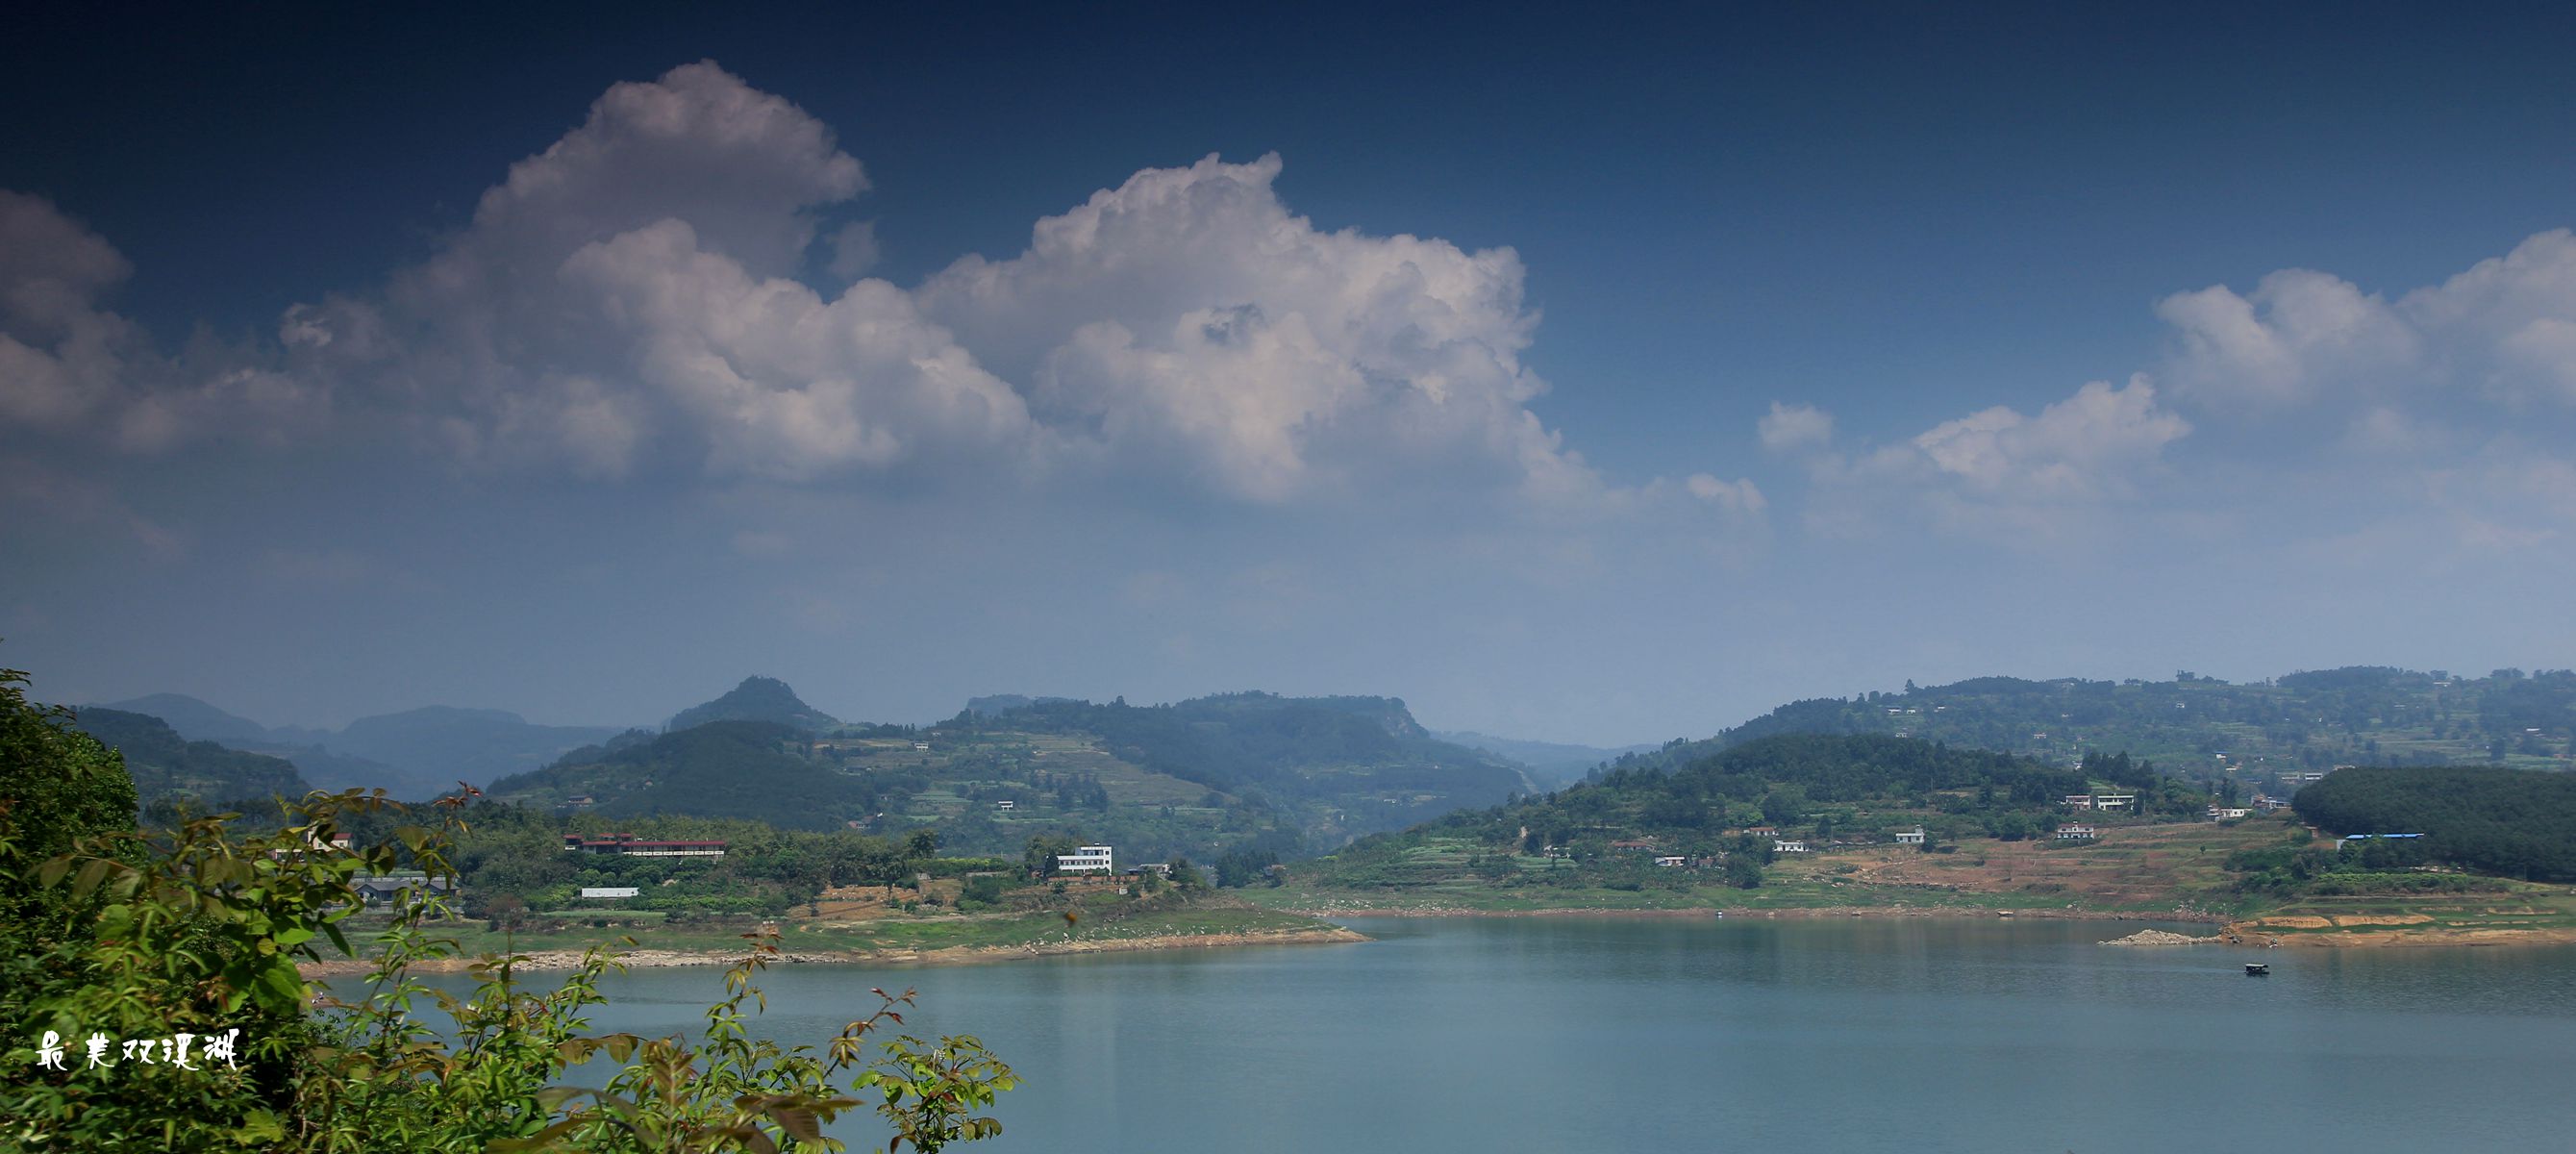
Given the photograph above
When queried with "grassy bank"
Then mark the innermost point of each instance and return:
(2173, 871)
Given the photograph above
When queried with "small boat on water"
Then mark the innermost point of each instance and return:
(2257, 970)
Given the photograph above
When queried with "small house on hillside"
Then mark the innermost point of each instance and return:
(608, 893)
(1090, 859)
(2075, 833)
(1910, 837)
(1789, 846)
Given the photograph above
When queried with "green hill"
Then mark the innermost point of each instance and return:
(1253, 772)
(164, 764)
(2515, 823)
(2260, 735)
(756, 699)
(760, 770)
(1708, 802)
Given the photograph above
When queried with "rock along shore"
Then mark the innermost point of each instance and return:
(2163, 938)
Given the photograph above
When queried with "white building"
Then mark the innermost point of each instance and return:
(2075, 833)
(1915, 837)
(593, 892)
(1090, 859)
(1789, 847)
(1671, 860)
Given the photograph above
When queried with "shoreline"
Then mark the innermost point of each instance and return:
(1805, 913)
(2233, 931)
(647, 958)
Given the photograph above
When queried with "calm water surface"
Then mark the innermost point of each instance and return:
(1563, 1034)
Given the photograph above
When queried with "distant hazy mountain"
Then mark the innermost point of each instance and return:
(414, 754)
(193, 719)
(1551, 763)
(994, 705)
(756, 699)
(164, 764)
(441, 745)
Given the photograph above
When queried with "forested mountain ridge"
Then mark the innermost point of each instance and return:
(2260, 735)
(1251, 771)
(165, 765)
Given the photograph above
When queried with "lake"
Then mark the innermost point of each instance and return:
(1604, 1034)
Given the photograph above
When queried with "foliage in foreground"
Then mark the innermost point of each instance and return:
(118, 935)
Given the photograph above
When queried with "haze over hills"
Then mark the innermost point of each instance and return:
(1304, 774)
(415, 753)
(1550, 764)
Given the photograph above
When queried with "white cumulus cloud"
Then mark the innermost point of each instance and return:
(1790, 427)
(2505, 329)
(627, 299)
(1188, 315)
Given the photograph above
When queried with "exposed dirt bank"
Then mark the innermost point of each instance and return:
(950, 956)
(2260, 933)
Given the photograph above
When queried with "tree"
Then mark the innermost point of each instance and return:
(1039, 857)
(1743, 871)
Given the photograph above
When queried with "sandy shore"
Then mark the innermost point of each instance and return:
(645, 959)
(2255, 934)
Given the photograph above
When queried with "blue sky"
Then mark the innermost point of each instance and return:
(1603, 376)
